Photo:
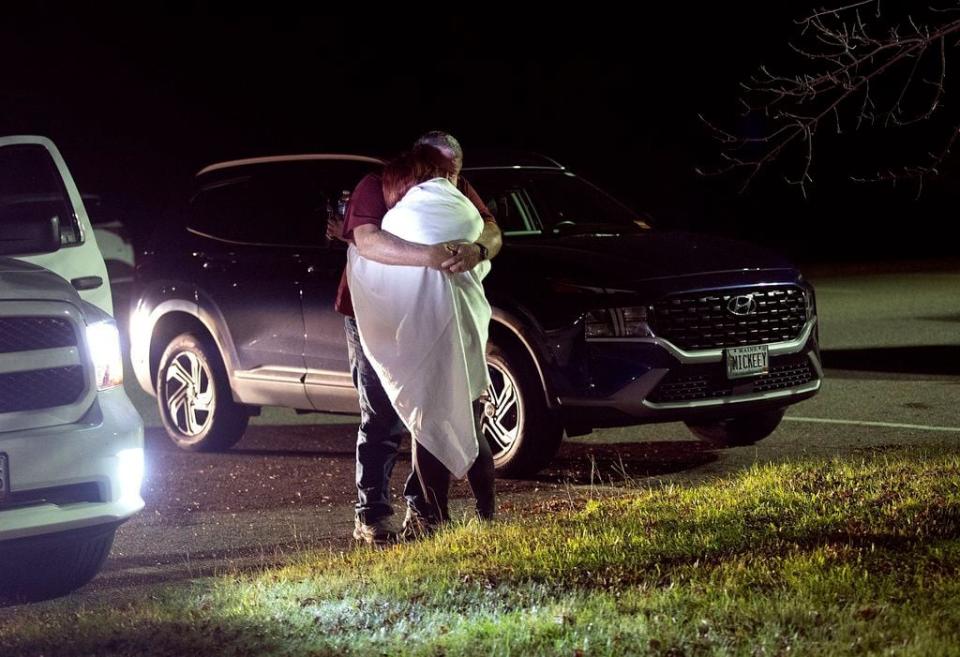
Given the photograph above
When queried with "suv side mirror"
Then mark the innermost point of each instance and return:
(29, 235)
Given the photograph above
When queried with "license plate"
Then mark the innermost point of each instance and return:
(747, 361)
(4, 476)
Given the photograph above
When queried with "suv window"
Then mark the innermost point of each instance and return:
(508, 200)
(30, 186)
(524, 200)
(280, 203)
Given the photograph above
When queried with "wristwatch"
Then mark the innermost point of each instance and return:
(484, 253)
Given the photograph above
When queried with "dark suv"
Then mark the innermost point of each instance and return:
(598, 320)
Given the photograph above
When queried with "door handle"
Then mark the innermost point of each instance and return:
(86, 283)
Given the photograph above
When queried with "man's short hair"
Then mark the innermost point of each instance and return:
(443, 141)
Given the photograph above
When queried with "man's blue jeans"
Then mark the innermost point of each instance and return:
(378, 439)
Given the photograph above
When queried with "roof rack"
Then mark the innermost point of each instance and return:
(229, 164)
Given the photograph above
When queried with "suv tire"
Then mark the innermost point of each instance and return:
(524, 434)
(740, 430)
(193, 393)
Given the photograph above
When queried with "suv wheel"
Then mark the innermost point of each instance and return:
(193, 393)
(740, 430)
(523, 433)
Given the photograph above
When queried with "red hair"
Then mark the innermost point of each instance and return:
(418, 165)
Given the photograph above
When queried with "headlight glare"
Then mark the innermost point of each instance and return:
(103, 340)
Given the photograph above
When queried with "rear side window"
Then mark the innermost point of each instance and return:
(283, 204)
(31, 187)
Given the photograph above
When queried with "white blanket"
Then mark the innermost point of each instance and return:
(425, 331)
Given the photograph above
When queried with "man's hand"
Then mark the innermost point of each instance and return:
(462, 257)
(439, 254)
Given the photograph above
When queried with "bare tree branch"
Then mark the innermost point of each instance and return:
(861, 72)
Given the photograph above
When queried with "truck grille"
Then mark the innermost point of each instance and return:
(704, 382)
(40, 365)
(30, 333)
(36, 389)
(59, 495)
(707, 320)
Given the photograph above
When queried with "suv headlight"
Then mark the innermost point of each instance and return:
(628, 322)
(103, 340)
(810, 303)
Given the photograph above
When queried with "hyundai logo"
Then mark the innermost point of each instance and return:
(742, 305)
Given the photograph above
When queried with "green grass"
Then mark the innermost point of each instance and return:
(820, 558)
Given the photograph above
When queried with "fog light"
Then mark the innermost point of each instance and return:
(130, 473)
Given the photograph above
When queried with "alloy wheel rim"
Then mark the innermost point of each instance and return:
(189, 394)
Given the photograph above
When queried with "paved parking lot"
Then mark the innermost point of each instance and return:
(892, 352)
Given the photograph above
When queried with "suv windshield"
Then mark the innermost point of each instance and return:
(525, 202)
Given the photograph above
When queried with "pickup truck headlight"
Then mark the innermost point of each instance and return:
(628, 322)
(103, 340)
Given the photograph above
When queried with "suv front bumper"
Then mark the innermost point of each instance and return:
(650, 380)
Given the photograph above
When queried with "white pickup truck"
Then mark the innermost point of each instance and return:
(71, 443)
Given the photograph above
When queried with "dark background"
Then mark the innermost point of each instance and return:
(139, 102)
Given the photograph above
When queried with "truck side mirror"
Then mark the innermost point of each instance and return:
(28, 235)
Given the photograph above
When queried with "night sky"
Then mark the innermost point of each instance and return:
(139, 102)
